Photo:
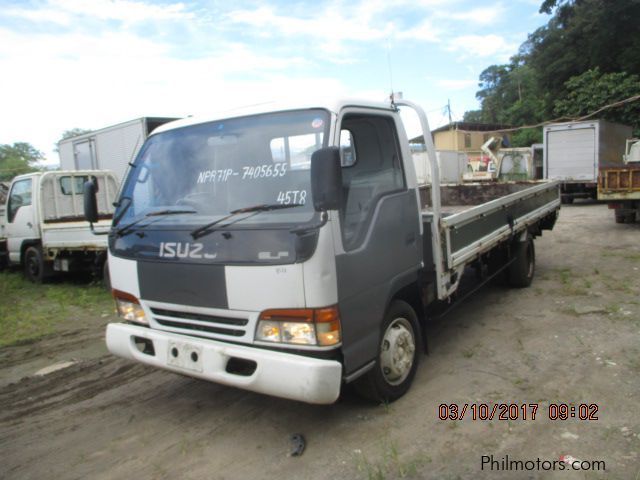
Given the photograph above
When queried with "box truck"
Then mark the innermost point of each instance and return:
(291, 251)
(575, 151)
(110, 148)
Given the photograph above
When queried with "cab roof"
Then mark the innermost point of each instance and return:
(333, 105)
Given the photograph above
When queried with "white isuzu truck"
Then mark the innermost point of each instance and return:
(290, 251)
(42, 225)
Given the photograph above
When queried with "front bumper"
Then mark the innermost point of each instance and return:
(279, 374)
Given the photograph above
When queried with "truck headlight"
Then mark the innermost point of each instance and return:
(301, 326)
(129, 307)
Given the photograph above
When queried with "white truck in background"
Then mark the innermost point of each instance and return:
(109, 148)
(42, 225)
(574, 152)
(451, 164)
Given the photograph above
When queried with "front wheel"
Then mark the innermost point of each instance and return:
(397, 360)
(35, 268)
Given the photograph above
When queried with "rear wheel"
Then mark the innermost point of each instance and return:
(523, 267)
(620, 218)
(397, 360)
(35, 268)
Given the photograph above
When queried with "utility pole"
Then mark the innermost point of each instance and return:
(449, 110)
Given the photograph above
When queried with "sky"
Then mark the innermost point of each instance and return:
(93, 63)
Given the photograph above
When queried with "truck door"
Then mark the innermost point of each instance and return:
(380, 230)
(20, 222)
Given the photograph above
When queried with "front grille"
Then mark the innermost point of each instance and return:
(199, 322)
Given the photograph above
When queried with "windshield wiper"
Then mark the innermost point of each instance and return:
(125, 230)
(253, 210)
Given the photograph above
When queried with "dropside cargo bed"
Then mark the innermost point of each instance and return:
(476, 217)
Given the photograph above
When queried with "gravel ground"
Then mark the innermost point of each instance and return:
(573, 337)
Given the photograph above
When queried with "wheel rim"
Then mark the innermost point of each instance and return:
(397, 351)
(33, 266)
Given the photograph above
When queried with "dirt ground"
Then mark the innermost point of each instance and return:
(572, 337)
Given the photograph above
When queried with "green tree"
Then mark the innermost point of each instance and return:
(593, 89)
(546, 76)
(583, 35)
(19, 158)
(526, 137)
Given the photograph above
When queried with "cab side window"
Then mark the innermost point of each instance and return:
(20, 196)
(374, 170)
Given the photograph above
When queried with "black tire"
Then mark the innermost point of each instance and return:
(36, 270)
(620, 218)
(384, 384)
(523, 267)
(106, 278)
(566, 199)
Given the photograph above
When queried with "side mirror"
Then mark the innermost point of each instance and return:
(326, 179)
(90, 202)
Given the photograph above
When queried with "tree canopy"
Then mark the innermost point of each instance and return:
(16, 159)
(587, 56)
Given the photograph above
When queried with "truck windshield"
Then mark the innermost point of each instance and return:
(215, 168)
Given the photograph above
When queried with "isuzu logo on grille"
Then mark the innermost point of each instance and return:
(183, 250)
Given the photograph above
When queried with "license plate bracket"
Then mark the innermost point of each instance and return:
(184, 355)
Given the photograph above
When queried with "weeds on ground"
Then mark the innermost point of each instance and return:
(29, 311)
(390, 465)
(568, 280)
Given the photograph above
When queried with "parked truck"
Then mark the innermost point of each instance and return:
(619, 186)
(42, 226)
(109, 148)
(575, 151)
(291, 251)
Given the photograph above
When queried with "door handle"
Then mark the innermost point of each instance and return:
(29, 225)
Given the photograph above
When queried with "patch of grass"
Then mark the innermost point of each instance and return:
(617, 283)
(565, 275)
(29, 311)
(634, 363)
(568, 280)
(626, 254)
(518, 381)
(612, 308)
(391, 464)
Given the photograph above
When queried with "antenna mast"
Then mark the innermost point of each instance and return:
(389, 68)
